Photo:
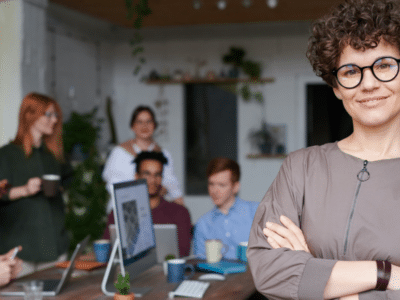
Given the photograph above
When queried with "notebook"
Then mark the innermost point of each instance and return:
(223, 267)
(166, 241)
(53, 287)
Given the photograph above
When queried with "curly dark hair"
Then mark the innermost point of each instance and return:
(362, 24)
(151, 155)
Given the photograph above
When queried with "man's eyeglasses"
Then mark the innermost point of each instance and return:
(384, 69)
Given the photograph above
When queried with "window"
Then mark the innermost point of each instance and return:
(327, 120)
(211, 131)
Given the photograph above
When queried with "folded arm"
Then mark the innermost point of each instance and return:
(348, 278)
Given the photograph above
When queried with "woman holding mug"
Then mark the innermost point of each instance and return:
(27, 217)
(328, 226)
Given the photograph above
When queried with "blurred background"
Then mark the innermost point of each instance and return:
(184, 63)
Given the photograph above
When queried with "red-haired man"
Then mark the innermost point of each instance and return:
(231, 218)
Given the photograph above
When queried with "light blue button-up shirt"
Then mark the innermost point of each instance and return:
(231, 229)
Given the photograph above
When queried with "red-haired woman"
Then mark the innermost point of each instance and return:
(27, 216)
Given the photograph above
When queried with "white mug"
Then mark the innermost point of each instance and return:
(214, 250)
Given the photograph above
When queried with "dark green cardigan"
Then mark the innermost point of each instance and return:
(35, 222)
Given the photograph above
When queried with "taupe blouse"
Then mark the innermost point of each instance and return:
(348, 209)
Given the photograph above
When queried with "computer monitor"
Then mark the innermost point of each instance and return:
(135, 233)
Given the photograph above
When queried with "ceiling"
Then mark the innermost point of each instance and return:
(181, 12)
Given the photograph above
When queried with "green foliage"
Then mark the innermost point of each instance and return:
(122, 285)
(110, 117)
(261, 137)
(169, 256)
(235, 56)
(245, 92)
(81, 129)
(86, 196)
(251, 68)
(140, 9)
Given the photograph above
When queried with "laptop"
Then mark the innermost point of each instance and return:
(52, 287)
(166, 241)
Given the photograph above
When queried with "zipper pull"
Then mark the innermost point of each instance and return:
(363, 175)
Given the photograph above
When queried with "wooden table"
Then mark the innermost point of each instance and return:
(235, 286)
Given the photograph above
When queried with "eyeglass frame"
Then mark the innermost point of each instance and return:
(335, 72)
(51, 114)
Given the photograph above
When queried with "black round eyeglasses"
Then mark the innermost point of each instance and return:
(384, 69)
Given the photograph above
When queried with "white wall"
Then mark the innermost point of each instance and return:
(10, 65)
(22, 58)
(80, 64)
(82, 44)
(283, 57)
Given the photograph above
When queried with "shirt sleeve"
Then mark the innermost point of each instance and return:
(118, 168)
(199, 240)
(170, 182)
(283, 273)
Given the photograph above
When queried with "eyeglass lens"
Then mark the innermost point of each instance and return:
(50, 114)
(384, 69)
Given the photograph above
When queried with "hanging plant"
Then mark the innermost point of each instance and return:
(235, 57)
(140, 9)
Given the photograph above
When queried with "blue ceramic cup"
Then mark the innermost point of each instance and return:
(102, 250)
(176, 270)
(241, 251)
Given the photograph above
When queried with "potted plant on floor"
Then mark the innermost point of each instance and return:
(123, 286)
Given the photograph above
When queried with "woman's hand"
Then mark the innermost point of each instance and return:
(3, 187)
(288, 236)
(5, 271)
(9, 268)
(394, 282)
(33, 186)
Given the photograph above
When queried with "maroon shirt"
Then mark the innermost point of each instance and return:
(168, 213)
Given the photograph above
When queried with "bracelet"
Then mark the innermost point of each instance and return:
(383, 274)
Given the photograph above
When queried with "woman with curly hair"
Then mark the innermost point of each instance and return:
(28, 217)
(328, 225)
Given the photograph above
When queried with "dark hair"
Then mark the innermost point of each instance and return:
(153, 155)
(220, 164)
(362, 24)
(140, 109)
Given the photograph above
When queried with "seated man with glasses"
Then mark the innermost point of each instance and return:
(149, 166)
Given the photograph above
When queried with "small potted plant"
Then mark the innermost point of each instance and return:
(165, 264)
(123, 286)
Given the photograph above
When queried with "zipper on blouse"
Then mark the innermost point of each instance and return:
(362, 176)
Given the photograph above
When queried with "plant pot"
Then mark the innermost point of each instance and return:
(130, 296)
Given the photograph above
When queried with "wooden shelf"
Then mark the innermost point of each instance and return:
(213, 81)
(268, 156)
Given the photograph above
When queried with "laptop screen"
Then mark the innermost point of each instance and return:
(133, 219)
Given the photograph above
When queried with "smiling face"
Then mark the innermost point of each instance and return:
(45, 124)
(144, 126)
(372, 103)
(151, 170)
(222, 190)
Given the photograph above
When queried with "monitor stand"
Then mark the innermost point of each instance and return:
(107, 285)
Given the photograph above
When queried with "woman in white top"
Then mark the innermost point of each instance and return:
(120, 166)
